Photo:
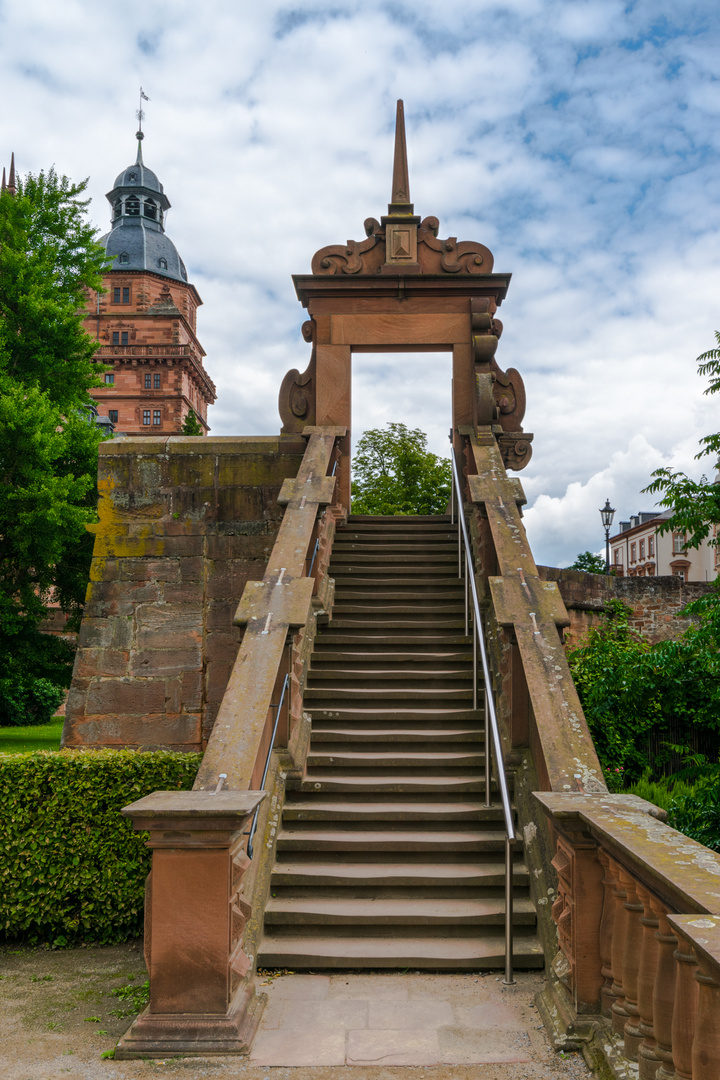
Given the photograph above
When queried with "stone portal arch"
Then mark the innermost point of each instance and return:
(403, 289)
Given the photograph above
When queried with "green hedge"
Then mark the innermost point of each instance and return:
(71, 868)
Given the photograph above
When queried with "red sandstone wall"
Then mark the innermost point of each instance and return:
(655, 601)
(184, 523)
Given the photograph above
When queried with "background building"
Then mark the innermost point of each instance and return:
(639, 550)
(146, 320)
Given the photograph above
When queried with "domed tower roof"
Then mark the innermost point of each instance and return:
(137, 240)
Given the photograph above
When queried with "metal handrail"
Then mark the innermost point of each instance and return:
(253, 827)
(491, 723)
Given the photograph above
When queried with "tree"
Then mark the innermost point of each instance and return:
(695, 504)
(48, 440)
(394, 473)
(591, 564)
(191, 426)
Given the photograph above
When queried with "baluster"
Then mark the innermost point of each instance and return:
(606, 935)
(631, 965)
(619, 1013)
(664, 994)
(706, 1044)
(685, 1011)
(647, 1056)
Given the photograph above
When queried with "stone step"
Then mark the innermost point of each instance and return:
(364, 637)
(366, 813)
(446, 784)
(420, 738)
(447, 555)
(380, 841)
(399, 909)
(391, 873)
(473, 953)
(395, 759)
(388, 661)
(412, 676)
(374, 622)
(420, 695)
(352, 714)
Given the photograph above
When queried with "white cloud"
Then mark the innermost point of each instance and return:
(577, 138)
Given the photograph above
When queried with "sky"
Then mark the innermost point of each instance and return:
(577, 139)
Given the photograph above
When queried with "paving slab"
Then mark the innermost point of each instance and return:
(60, 1015)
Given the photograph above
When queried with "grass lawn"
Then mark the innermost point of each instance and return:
(23, 740)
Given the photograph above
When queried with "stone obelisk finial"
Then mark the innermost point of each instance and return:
(400, 199)
(11, 179)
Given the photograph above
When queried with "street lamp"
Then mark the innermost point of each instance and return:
(607, 513)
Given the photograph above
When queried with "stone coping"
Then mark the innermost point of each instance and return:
(194, 805)
(135, 445)
(703, 934)
(680, 871)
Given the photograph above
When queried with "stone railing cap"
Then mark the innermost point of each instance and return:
(195, 804)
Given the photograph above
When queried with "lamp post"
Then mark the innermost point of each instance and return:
(607, 513)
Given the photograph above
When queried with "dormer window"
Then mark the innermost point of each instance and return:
(123, 257)
(132, 207)
(132, 176)
(162, 263)
(150, 208)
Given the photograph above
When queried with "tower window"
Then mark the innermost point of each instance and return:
(117, 208)
(132, 207)
(116, 296)
(112, 416)
(157, 417)
(150, 209)
(146, 417)
(124, 337)
(126, 296)
(123, 257)
(109, 379)
(148, 382)
(156, 382)
(162, 263)
(116, 337)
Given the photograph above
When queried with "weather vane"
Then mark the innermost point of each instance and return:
(140, 113)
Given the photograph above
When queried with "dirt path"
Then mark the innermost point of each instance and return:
(60, 1014)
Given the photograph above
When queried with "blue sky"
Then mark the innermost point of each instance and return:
(578, 139)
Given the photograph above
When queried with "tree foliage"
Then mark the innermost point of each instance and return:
(695, 504)
(589, 563)
(394, 473)
(48, 440)
(637, 696)
(191, 425)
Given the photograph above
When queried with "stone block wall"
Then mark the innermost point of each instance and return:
(655, 601)
(184, 523)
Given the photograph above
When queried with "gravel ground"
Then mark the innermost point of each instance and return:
(60, 1016)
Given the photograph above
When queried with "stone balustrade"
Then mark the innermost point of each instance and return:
(199, 933)
(637, 977)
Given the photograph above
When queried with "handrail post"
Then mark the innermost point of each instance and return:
(509, 979)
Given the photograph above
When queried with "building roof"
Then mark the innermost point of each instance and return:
(137, 240)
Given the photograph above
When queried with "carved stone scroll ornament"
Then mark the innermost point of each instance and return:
(500, 395)
(296, 401)
(434, 256)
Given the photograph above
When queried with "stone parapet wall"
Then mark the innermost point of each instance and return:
(655, 601)
(184, 523)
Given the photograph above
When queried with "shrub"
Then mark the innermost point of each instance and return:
(642, 700)
(72, 869)
(28, 702)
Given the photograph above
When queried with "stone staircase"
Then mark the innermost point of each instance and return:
(387, 856)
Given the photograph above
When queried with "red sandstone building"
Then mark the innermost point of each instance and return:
(146, 321)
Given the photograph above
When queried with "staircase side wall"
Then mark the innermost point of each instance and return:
(184, 523)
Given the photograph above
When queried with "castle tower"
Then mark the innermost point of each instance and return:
(146, 320)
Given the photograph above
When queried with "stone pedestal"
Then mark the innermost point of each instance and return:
(200, 999)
